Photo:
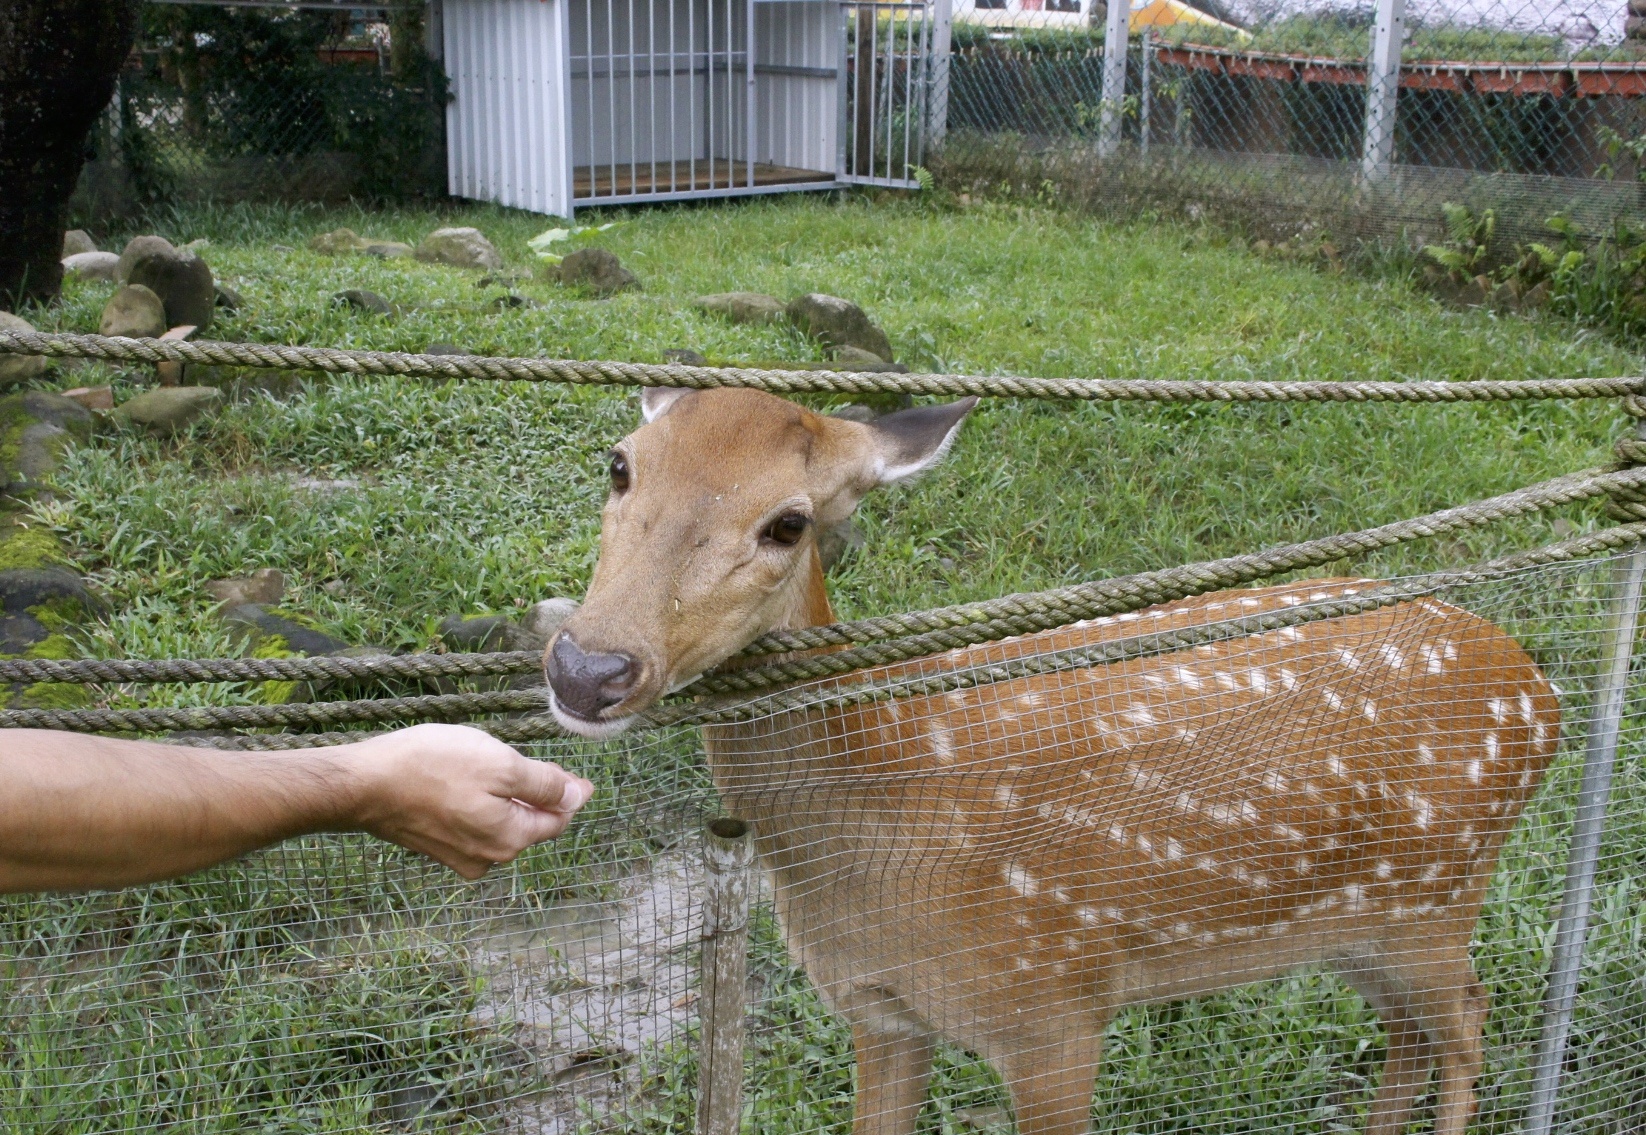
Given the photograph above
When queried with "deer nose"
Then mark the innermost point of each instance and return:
(586, 683)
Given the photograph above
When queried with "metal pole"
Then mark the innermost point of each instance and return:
(937, 100)
(1144, 94)
(1114, 76)
(1382, 90)
(728, 851)
(1599, 755)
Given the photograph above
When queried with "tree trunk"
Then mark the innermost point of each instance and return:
(406, 46)
(58, 63)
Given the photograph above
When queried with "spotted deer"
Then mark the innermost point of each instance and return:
(1006, 866)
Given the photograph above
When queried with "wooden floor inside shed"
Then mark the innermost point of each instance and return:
(625, 180)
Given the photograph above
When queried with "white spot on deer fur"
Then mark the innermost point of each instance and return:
(1354, 894)
(1292, 600)
(1032, 701)
(1392, 657)
(1130, 617)
(1226, 679)
(1449, 649)
(957, 698)
(1422, 811)
(1117, 833)
(942, 746)
(1318, 596)
(1525, 778)
(1368, 710)
(1024, 964)
(1289, 634)
(1349, 658)
(1145, 844)
(1491, 746)
(1087, 915)
(1335, 765)
(1430, 873)
(1250, 603)
(1540, 735)
(1526, 713)
(1288, 678)
(1140, 715)
(1426, 754)
(1474, 772)
(1174, 849)
(1305, 865)
(1258, 680)
(1333, 698)
(1153, 679)
(1384, 869)
(1007, 797)
(1498, 708)
(1020, 880)
(1286, 831)
(1431, 659)
(1189, 678)
(1273, 781)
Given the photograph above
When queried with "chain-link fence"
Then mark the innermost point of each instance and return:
(255, 103)
(1365, 117)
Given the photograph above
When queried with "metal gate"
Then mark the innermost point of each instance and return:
(885, 92)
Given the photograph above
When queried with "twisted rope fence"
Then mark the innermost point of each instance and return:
(845, 647)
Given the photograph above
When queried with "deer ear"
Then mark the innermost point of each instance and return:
(655, 401)
(909, 442)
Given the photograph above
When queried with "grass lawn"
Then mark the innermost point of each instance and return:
(391, 504)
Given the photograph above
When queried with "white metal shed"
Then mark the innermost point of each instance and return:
(564, 103)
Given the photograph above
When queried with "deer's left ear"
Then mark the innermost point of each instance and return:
(655, 401)
(909, 442)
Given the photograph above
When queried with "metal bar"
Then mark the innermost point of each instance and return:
(1383, 90)
(1588, 825)
(611, 88)
(674, 110)
(691, 90)
(651, 87)
(728, 852)
(863, 92)
(1114, 76)
(594, 154)
(937, 99)
(1145, 93)
(708, 84)
(748, 120)
(843, 113)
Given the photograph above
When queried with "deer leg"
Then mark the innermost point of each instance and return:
(1453, 1013)
(893, 1069)
(1052, 1083)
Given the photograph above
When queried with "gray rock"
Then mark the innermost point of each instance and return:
(511, 301)
(167, 409)
(459, 247)
(19, 368)
(685, 357)
(388, 249)
(133, 311)
(742, 307)
(837, 323)
(23, 588)
(362, 300)
(76, 241)
(259, 624)
(487, 634)
(865, 362)
(92, 265)
(597, 269)
(137, 247)
(38, 426)
(184, 284)
(265, 585)
(91, 397)
(338, 242)
(543, 618)
(228, 299)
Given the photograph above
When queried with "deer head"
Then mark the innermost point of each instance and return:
(709, 538)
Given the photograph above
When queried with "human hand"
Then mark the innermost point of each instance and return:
(461, 796)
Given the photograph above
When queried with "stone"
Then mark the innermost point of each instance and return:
(684, 357)
(338, 242)
(36, 602)
(92, 397)
(1536, 297)
(543, 618)
(184, 284)
(36, 426)
(77, 241)
(865, 362)
(167, 409)
(261, 625)
(444, 349)
(92, 265)
(459, 247)
(487, 634)
(228, 299)
(265, 585)
(742, 307)
(502, 279)
(362, 300)
(837, 323)
(388, 250)
(512, 301)
(19, 368)
(135, 312)
(138, 247)
(598, 270)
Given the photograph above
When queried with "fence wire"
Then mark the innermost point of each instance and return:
(992, 870)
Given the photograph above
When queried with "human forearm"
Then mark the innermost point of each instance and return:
(79, 812)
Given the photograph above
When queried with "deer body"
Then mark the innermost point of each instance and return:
(1007, 865)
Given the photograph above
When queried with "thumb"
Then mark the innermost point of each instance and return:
(549, 787)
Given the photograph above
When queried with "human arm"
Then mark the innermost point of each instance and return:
(80, 812)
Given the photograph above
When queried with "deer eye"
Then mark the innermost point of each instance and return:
(620, 473)
(788, 528)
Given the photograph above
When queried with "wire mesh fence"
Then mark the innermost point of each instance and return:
(1256, 868)
(1261, 109)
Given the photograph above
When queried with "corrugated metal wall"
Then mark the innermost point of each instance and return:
(799, 48)
(507, 121)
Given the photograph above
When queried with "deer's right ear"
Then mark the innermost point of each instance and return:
(655, 401)
(909, 442)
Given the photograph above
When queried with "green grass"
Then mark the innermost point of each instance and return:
(337, 972)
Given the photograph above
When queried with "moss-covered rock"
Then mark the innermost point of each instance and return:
(36, 426)
(28, 546)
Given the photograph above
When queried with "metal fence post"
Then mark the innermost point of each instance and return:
(1114, 76)
(1383, 90)
(1599, 755)
(937, 104)
(1145, 101)
(728, 852)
